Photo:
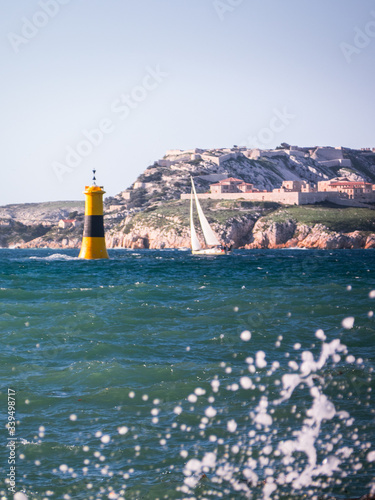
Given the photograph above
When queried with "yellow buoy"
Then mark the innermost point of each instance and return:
(93, 241)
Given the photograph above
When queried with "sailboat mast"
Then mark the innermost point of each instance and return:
(195, 245)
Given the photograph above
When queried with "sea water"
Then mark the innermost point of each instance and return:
(162, 375)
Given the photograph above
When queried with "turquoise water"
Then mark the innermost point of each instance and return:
(136, 376)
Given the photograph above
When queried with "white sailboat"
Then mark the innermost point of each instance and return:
(213, 246)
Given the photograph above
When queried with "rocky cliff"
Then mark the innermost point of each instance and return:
(277, 235)
(291, 235)
(168, 178)
(235, 231)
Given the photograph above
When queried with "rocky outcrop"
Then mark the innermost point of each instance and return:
(147, 237)
(289, 234)
(234, 232)
(271, 236)
(50, 243)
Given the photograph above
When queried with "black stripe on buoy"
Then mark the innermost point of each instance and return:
(94, 226)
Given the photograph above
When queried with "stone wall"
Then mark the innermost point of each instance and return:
(285, 198)
(270, 154)
(219, 160)
(296, 152)
(327, 153)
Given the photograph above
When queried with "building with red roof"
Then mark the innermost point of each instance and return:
(232, 185)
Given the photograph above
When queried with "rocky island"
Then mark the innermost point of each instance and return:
(307, 197)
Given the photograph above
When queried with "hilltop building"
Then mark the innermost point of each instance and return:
(232, 185)
(64, 223)
(296, 186)
(350, 188)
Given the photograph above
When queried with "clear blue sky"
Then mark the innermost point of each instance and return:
(165, 74)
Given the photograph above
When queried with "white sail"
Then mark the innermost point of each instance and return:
(209, 236)
(195, 245)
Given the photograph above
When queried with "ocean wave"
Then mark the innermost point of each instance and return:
(294, 248)
(26, 442)
(54, 256)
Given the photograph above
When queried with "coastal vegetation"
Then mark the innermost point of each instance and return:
(14, 232)
(334, 217)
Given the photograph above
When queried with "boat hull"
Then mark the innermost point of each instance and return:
(209, 251)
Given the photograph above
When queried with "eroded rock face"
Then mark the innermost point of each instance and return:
(275, 235)
(289, 235)
(42, 243)
(240, 234)
(234, 232)
(148, 237)
(370, 242)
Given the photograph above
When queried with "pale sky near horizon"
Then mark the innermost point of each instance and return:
(113, 84)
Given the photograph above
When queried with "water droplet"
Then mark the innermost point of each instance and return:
(260, 360)
(246, 382)
(319, 334)
(232, 425)
(245, 335)
(348, 322)
(210, 412)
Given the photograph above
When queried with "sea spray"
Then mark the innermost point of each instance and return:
(282, 468)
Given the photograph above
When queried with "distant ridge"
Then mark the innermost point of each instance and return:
(168, 177)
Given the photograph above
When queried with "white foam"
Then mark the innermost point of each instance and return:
(210, 412)
(246, 382)
(260, 359)
(20, 496)
(245, 335)
(232, 425)
(348, 322)
(54, 256)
